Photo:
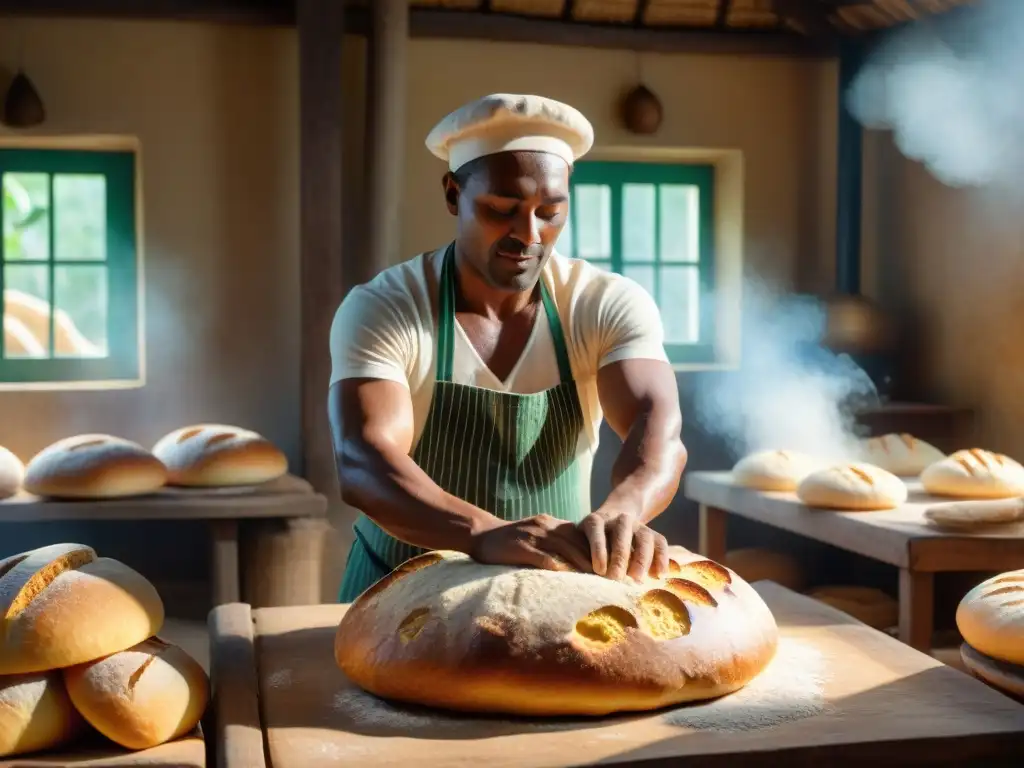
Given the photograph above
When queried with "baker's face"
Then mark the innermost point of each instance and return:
(511, 208)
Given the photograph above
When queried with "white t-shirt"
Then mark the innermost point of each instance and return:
(386, 329)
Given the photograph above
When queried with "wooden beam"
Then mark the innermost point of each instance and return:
(810, 17)
(321, 111)
(257, 12)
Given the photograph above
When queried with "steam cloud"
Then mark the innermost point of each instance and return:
(952, 96)
(790, 392)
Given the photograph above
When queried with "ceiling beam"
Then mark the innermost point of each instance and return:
(442, 23)
(810, 17)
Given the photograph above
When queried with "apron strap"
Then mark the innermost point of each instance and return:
(446, 323)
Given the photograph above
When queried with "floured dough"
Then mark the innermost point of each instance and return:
(773, 470)
(991, 617)
(443, 630)
(978, 515)
(902, 454)
(855, 486)
(975, 473)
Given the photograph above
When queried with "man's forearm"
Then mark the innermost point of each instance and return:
(389, 487)
(646, 473)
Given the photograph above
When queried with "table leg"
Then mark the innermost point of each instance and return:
(224, 562)
(711, 542)
(282, 561)
(917, 607)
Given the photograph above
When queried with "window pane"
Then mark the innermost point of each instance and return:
(80, 217)
(680, 304)
(593, 204)
(26, 310)
(643, 275)
(638, 222)
(564, 243)
(81, 317)
(680, 222)
(26, 216)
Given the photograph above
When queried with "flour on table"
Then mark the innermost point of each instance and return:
(792, 687)
(282, 678)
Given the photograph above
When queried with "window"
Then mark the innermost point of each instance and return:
(69, 266)
(652, 223)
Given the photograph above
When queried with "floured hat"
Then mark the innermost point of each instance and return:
(506, 122)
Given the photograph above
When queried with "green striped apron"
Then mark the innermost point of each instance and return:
(512, 455)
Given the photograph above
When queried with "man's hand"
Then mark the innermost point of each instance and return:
(540, 542)
(621, 545)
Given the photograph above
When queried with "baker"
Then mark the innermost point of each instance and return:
(469, 383)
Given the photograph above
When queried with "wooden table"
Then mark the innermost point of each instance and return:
(288, 500)
(186, 752)
(276, 684)
(898, 537)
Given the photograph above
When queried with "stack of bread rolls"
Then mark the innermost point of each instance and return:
(990, 618)
(78, 649)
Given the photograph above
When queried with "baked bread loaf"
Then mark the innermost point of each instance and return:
(12, 473)
(754, 564)
(990, 617)
(856, 486)
(773, 470)
(93, 466)
(443, 630)
(62, 605)
(975, 474)
(866, 604)
(143, 696)
(216, 455)
(902, 454)
(36, 714)
(1008, 678)
(978, 515)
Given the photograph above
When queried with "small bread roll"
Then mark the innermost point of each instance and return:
(218, 455)
(773, 470)
(859, 487)
(63, 605)
(12, 473)
(978, 515)
(1005, 677)
(143, 696)
(36, 713)
(990, 617)
(94, 466)
(866, 604)
(754, 564)
(903, 455)
(975, 474)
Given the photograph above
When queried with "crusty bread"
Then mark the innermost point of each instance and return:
(62, 605)
(1008, 678)
(856, 486)
(443, 630)
(773, 470)
(866, 604)
(93, 466)
(36, 713)
(143, 696)
(975, 474)
(990, 617)
(755, 564)
(902, 454)
(213, 455)
(12, 473)
(978, 515)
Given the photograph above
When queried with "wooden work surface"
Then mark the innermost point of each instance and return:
(288, 496)
(897, 536)
(884, 702)
(186, 752)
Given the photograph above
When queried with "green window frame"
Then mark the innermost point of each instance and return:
(119, 261)
(677, 281)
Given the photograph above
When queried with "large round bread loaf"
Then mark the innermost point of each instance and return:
(991, 617)
(856, 487)
(755, 564)
(975, 474)
(902, 454)
(94, 466)
(443, 630)
(62, 605)
(1001, 675)
(143, 696)
(35, 713)
(12, 473)
(212, 455)
(773, 470)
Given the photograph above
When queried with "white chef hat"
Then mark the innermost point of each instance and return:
(506, 122)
